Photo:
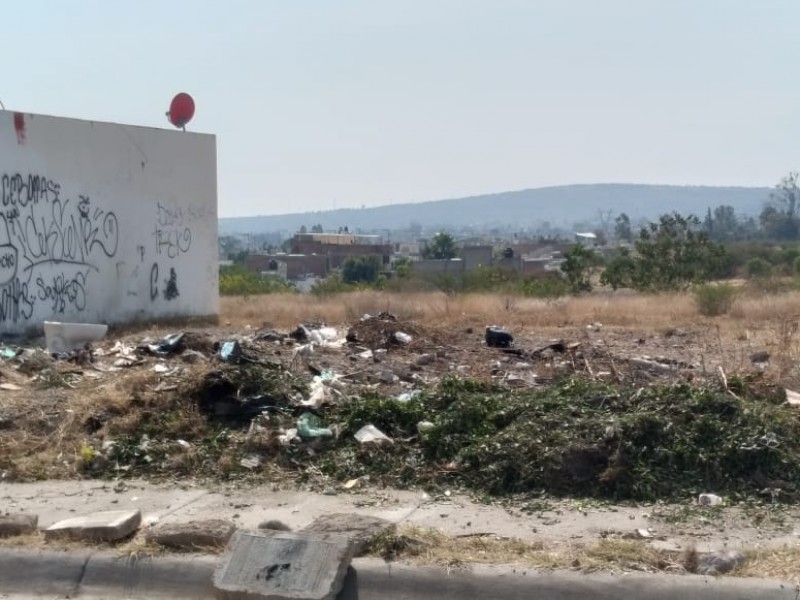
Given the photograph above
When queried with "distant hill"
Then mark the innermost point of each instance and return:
(561, 206)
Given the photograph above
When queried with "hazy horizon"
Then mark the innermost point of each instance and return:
(356, 103)
(498, 193)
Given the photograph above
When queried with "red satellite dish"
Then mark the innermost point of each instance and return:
(181, 110)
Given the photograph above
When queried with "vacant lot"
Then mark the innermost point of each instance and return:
(616, 398)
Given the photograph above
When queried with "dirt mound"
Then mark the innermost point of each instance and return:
(382, 331)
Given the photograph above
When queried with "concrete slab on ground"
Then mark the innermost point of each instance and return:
(284, 566)
(109, 526)
(18, 524)
(208, 533)
(359, 528)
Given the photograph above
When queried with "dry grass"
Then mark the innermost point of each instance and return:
(756, 322)
(135, 546)
(52, 427)
(425, 546)
(624, 310)
(431, 547)
(782, 564)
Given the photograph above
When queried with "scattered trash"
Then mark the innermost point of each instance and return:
(8, 353)
(387, 377)
(230, 351)
(287, 437)
(659, 364)
(366, 354)
(408, 396)
(250, 462)
(303, 353)
(10, 387)
(644, 534)
(171, 344)
(709, 500)
(321, 393)
(402, 337)
(792, 398)
(309, 425)
(369, 433)
(425, 426)
(184, 444)
(496, 337)
(315, 337)
(328, 334)
(515, 381)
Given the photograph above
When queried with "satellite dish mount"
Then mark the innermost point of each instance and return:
(181, 110)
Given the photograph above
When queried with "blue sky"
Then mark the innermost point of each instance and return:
(340, 103)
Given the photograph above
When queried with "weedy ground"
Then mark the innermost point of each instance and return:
(578, 436)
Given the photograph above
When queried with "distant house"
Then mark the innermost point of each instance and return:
(314, 255)
(586, 239)
(338, 247)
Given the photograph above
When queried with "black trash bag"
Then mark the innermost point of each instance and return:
(496, 337)
(171, 344)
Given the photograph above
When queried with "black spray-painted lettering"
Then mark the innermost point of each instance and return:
(16, 304)
(171, 285)
(63, 291)
(173, 242)
(154, 282)
(49, 245)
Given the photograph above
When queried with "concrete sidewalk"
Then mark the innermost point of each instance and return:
(565, 522)
(52, 575)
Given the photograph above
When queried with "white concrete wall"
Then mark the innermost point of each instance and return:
(104, 223)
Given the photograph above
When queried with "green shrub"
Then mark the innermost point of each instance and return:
(714, 300)
(361, 269)
(489, 279)
(549, 286)
(758, 268)
(576, 438)
(332, 284)
(238, 281)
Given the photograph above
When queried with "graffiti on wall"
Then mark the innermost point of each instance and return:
(50, 245)
(54, 244)
(173, 236)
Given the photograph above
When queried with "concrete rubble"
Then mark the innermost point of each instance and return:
(362, 529)
(209, 533)
(106, 526)
(18, 524)
(284, 566)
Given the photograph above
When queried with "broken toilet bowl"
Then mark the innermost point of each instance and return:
(63, 337)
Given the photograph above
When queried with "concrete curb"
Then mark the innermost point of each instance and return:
(32, 574)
